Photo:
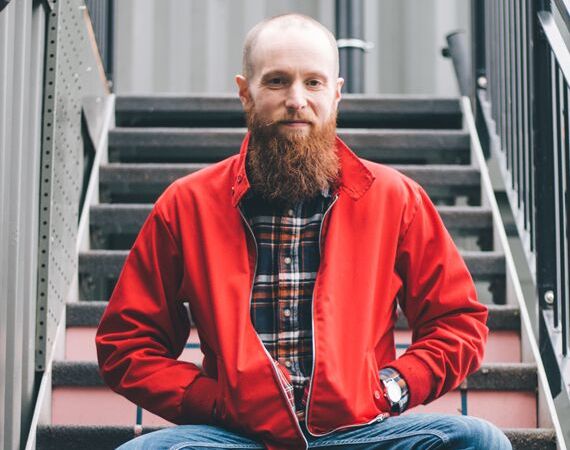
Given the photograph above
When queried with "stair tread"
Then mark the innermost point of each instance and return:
(109, 262)
(214, 144)
(492, 376)
(97, 437)
(411, 134)
(125, 217)
(433, 174)
(88, 314)
(144, 182)
(376, 105)
(188, 138)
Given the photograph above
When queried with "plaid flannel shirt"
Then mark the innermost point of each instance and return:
(288, 258)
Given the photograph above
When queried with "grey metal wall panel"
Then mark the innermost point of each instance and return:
(408, 37)
(31, 200)
(6, 60)
(174, 46)
(21, 71)
(10, 228)
(16, 218)
(183, 46)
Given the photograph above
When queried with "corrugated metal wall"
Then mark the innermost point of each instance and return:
(183, 46)
(22, 29)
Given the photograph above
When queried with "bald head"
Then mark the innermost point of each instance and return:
(282, 24)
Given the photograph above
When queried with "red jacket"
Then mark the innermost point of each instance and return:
(382, 242)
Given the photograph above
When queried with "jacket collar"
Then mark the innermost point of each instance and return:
(355, 178)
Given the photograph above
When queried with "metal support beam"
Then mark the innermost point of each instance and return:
(350, 35)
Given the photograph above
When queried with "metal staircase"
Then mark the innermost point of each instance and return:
(159, 139)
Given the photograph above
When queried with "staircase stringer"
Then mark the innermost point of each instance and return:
(547, 415)
(42, 409)
(92, 194)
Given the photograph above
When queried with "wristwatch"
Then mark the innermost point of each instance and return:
(393, 393)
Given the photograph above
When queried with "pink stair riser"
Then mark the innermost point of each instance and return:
(489, 405)
(80, 345)
(101, 406)
(502, 346)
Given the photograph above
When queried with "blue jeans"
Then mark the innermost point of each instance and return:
(411, 431)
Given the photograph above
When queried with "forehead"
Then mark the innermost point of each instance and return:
(293, 49)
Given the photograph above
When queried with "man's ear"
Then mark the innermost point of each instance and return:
(338, 94)
(243, 90)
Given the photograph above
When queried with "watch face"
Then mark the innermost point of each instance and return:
(394, 391)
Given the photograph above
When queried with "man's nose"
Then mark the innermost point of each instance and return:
(296, 97)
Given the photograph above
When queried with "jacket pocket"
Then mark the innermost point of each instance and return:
(377, 387)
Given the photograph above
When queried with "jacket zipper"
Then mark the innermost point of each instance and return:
(273, 367)
(378, 418)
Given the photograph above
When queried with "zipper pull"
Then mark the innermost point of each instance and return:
(382, 417)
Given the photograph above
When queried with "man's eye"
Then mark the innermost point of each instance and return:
(275, 81)
(314, 83)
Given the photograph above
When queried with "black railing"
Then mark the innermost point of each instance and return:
(521, 64)
(101, 13)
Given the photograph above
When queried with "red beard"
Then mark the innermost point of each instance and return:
(293, 167)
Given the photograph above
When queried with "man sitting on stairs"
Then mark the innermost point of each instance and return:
(291, 258)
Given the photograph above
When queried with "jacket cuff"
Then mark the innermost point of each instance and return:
(199, 401)
(417, 376)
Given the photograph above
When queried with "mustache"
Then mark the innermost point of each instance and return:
(295, 118)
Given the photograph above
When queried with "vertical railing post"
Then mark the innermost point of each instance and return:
(479, 70)
(478, 48)
(541, 99)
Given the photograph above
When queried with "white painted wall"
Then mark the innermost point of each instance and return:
(194, 46)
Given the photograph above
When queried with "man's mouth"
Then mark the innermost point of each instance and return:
(295, 123)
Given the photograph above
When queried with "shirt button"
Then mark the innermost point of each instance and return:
(288, 364)
(287, 260)
(377, 395)
(287, 312)
(290, 213)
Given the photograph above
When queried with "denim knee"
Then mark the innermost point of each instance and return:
(190, 436)
(477, 434)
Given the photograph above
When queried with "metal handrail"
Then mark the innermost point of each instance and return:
(556, 42)
(563, 7)
(501, 241)
(457, 50)
(522, 68)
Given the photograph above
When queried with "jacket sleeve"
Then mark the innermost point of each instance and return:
(439, 299)
(144, 330)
